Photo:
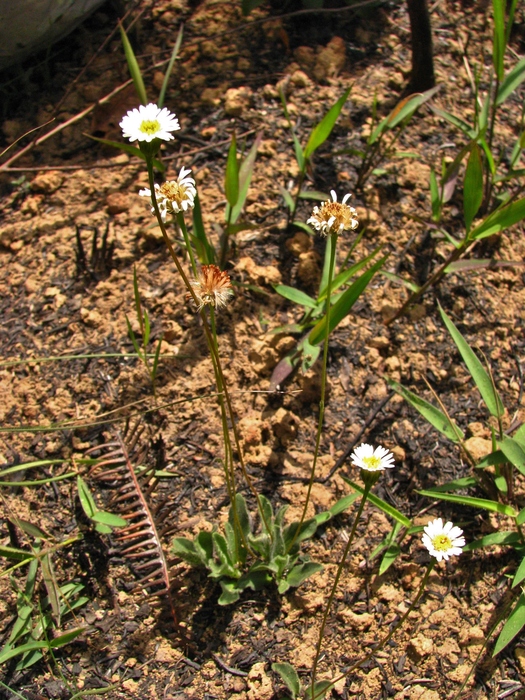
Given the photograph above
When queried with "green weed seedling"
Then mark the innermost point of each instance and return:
(317, 137)
(491, 178)
(494, 475)
(381, 143)
(260, 555)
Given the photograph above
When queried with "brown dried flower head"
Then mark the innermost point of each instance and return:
(212, 287)
(334, 216)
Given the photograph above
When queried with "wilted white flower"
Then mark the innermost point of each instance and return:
(213, 286)
(442, 541)
(365, 457)
(148, 123)
(174, 196)
(334, 216)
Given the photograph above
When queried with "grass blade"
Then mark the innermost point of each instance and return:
(472, 186)
(483, 503)
(323, 130)
(169, 69)
(499, 220)
(433, 415)
(476, 369)
(231, 176)
(134, 69)
(512, 627)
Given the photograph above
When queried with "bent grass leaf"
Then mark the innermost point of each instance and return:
(382, 505)
(455, 485)
(323, 130)
(499, 220)
(296, 296)
(476, 369)
(512, 627)
(433, 415)
(513, 452)
(128, 148)
(289, 676)
(513, 78)
(520, 574)
(482, 503)
(389, 557)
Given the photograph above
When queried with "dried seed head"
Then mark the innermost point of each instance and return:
(212, 287)
(334, 216)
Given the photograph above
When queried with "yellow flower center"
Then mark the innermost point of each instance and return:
(150, 126)
(372, 463)
(442, 543)
(340, 212)
(173, 191)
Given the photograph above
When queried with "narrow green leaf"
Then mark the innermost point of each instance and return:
(169, 69)
(389, 557)
(33, 530)
(482, 503)
(289, 677)
(133, 66)
(455, 485)
(435, 196)
(51, 585)
(315, 195)
(476, 369)
(472, 186)
(245, 178)
(520, 574)
(513, 452)
(7, 654)
(288, 199)
(498, 43)
(231, 177)
(86, 499)
(343, 503)
(433, 415)
(512, 627)
(499, 220)
(16, 554)
(128, 148)
(323, 130)
(509, 538)
(379, 503)
(296, 296)
(455, 121)
(101, 516)
(205, 250)
(66, 638)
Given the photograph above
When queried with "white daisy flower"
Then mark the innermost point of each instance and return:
(334, 216)
(148, 123)
(442, 541)
(174, 196)
(212, 287)
(365, 457)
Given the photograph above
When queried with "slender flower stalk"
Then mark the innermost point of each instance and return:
(331, 218)
(371, 473)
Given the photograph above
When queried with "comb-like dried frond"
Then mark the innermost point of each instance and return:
(139, 540)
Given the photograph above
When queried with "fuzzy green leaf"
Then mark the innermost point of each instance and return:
(301, 572)
(289, 677)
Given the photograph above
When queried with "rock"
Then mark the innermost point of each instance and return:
(47, 182)
(237, 100)
(260, 686)
(263, 275)
(117, 202)
(305, 57)
(478, 447)
(420, 647)
(308, 270)
(300, 79)
(300, 243)
(330, 59)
